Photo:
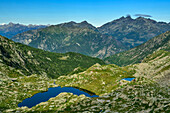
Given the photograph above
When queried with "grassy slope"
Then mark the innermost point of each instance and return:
(147, 93)
(98, 79)
(14, 92)
(29, 60)
(138, 53)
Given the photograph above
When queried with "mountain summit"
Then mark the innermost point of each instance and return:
(133, 32)
(83, 24)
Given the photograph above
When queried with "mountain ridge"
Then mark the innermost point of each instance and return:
(133, 32)
(72, 37)
(111, 38)
(135, 55)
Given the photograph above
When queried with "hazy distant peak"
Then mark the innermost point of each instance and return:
(10, 23)
(3, 24)
(11, 29)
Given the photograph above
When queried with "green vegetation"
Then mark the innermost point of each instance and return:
(109, 39)
(29, 60)
(137, 54)
(148, 92)
(157, 54)
(72, 37)
(98, 79)
(15, 91)
(132, 98)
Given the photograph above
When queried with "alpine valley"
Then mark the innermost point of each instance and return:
(134, 75)
(137, 54)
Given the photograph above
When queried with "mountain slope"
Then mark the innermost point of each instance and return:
(137, 54)
(133, 32)
(27, 60)
(72, 37)
(148, 92)
(11, 29)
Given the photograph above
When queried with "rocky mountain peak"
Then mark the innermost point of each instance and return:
(133, 32)
(83, 24)
(128, 17)
(10, 23)
(68, 24)
(122, 17)
(87, 25)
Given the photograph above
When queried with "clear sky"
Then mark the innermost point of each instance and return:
(96, 12)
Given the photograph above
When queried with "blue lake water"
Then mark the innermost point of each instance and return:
(52, 92)
(128, 79)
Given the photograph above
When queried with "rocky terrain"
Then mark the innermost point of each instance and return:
(149, 92)
(133, 32)
(137, 54)
(72, 37)
(136, 98)
(98, 79)
(28, 60)
(15, 90)
(11, 29)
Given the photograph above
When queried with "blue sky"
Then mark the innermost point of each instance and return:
(96, 12)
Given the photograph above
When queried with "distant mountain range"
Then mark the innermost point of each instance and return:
(17, 59)
(75, 37)
(111, 38)
(11, 29)
(137, 54)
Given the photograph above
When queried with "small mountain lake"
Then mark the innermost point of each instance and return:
(128, 79)
(53, 92)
